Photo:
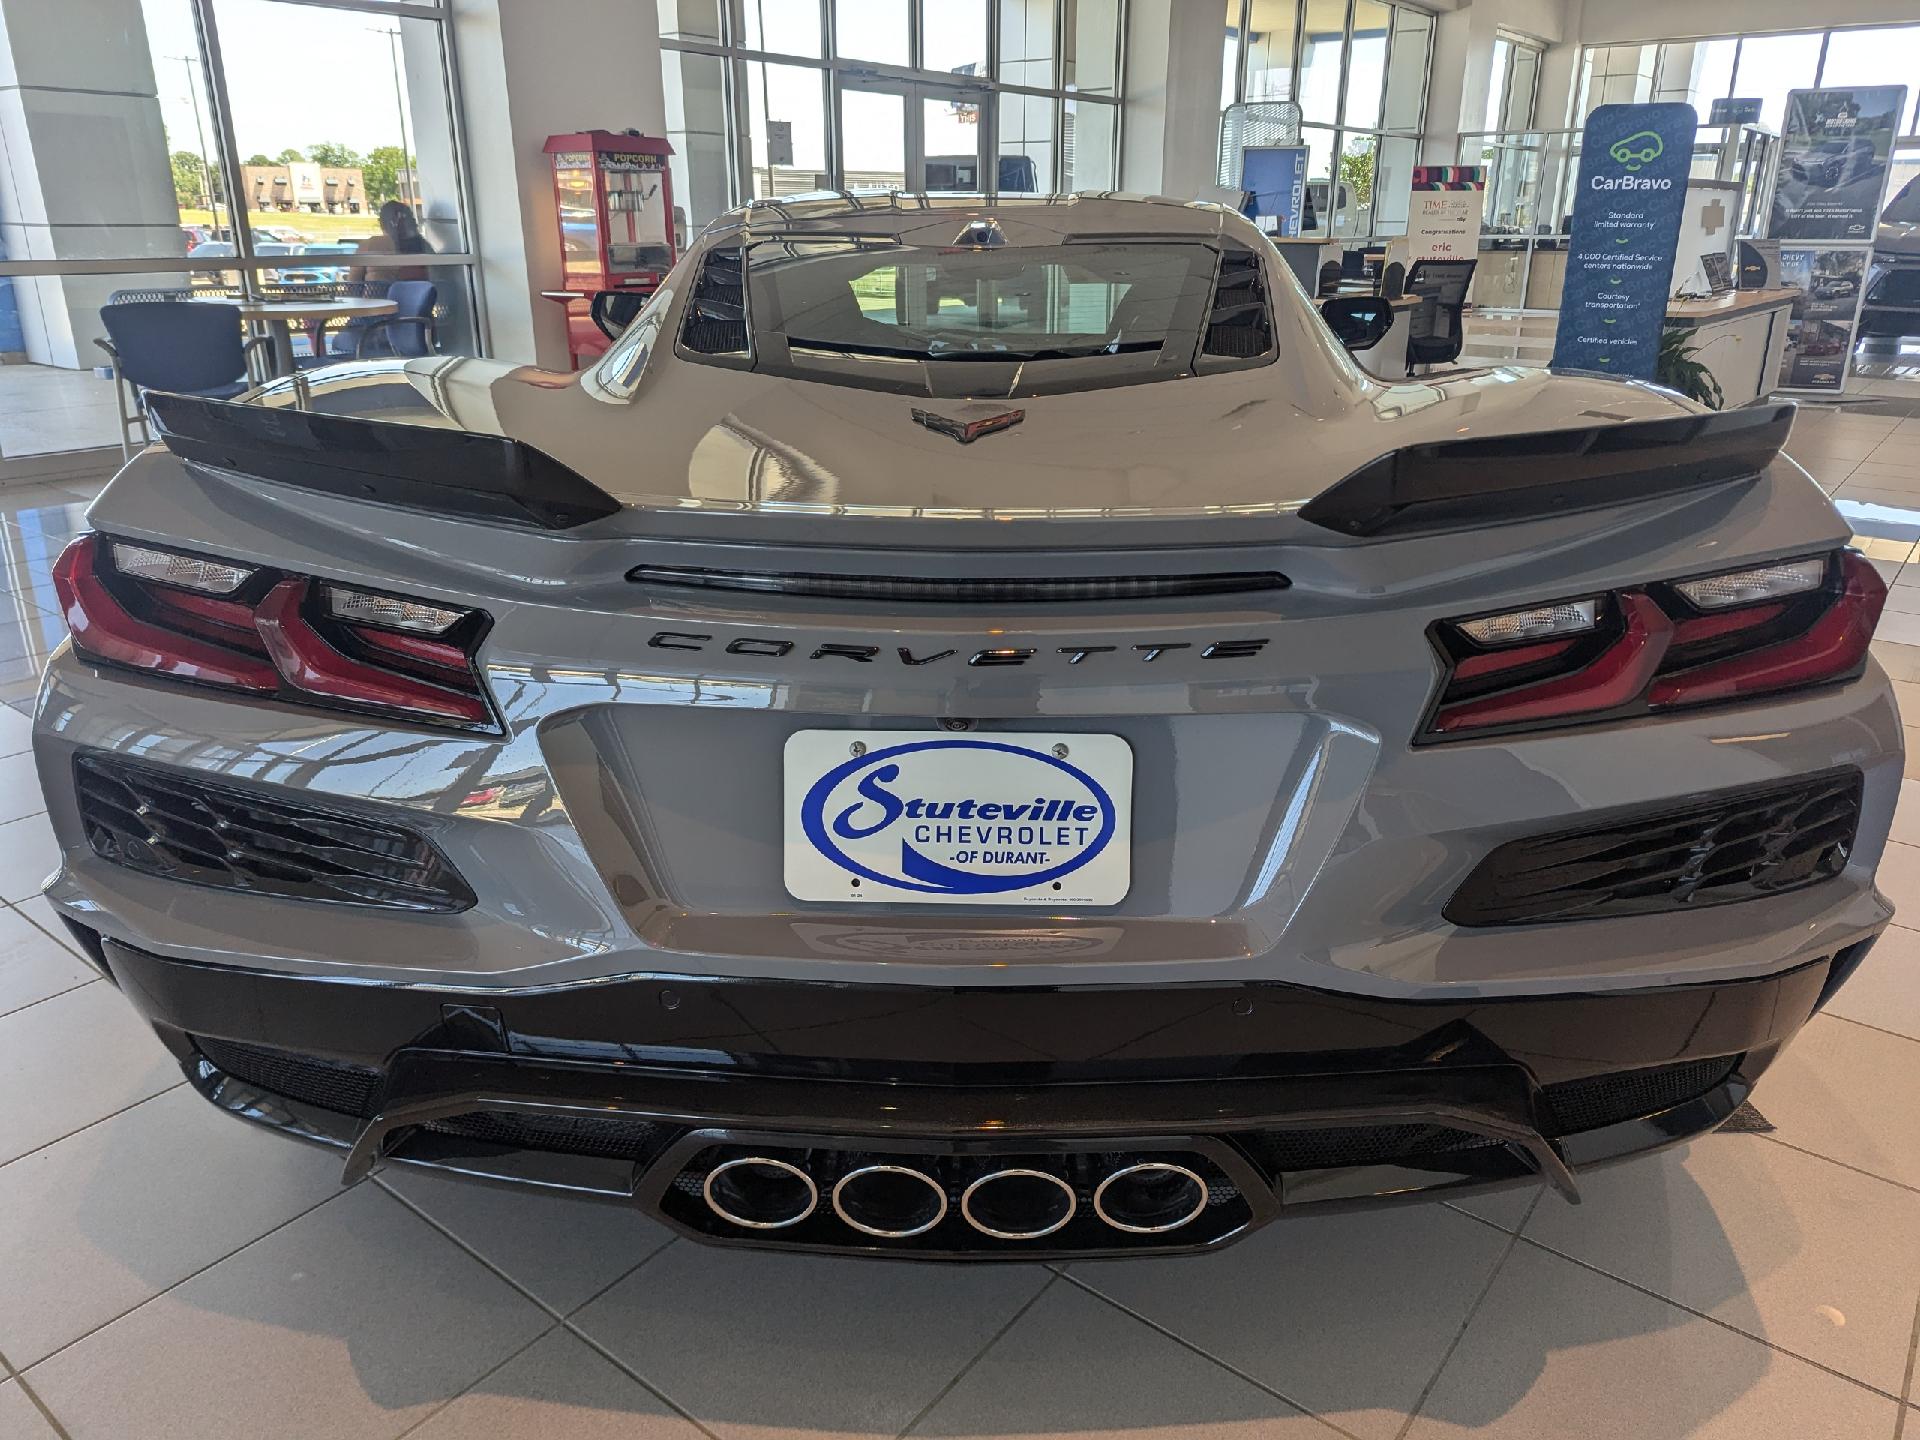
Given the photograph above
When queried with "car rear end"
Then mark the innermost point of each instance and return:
(1367, 847)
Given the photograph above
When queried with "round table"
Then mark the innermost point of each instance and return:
(279, 316)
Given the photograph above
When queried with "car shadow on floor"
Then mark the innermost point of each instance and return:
(1349, 1315)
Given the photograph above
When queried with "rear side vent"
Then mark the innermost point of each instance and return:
(1239, 326)
(1730, 845)
(309, 1079)
(716, 322)
(910, 590)
(175, 825)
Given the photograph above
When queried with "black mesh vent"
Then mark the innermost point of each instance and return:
(716, 322)
(612, 1136)
(328, 1084)
(174, 824)
(1239, 326)
(1573, 1105)
(1731, 845)
(1601, 1100)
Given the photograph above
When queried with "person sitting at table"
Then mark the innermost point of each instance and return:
(399, 235)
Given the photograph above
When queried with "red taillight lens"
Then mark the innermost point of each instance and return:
(268, 636)
(1834, 644)
(104, 628)
(313, 665)
(1691, 642)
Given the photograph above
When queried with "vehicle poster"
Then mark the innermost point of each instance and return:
(1443, 218)
(1626, 224)
(1834, 153)
(1275, 180)
(1821, 325)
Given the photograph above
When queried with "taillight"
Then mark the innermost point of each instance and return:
(239, 627)
(1698, 641)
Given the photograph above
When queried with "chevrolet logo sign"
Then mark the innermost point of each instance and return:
(968, 431)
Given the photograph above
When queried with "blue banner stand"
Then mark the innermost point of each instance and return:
(1634, 161)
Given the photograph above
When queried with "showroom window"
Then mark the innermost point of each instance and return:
(163, 151)
(778, 97)
(1358, 71)
(1762, 66)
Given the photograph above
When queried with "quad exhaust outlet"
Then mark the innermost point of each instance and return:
(758, 1192)
(891, 1200)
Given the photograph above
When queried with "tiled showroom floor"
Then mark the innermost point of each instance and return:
(167, 1272)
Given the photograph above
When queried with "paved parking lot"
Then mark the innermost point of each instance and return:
(165, 1271)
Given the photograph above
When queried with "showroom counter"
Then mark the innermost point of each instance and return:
(1740, 337)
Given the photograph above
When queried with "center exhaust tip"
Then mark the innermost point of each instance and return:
(891, 1201)
(758, 1192)
(1018, 1204)
(1150, 1198)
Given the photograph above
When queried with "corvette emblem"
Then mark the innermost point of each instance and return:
(968, 431)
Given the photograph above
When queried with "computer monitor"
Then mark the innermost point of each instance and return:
(1353, 264)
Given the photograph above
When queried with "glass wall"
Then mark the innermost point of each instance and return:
(775, 97)
(1358, 70)
(1762, 66)
(164, 150)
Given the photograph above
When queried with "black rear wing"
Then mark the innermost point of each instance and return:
(1451, 484)
(453, 473)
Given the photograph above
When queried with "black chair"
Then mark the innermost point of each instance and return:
(1330, 276)
(191, 348)
(1435, 333)
(1393, 281)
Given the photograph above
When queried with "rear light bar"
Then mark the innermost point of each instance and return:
(261, 631)
(1701, 640)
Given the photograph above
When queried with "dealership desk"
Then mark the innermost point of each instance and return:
(1741, 338)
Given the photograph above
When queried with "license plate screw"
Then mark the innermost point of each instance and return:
(858, 748)
(1060, 752)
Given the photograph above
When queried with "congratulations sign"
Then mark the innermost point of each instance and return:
(1626, 223)
(1443, 218)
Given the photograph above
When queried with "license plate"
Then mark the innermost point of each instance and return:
(904, 816)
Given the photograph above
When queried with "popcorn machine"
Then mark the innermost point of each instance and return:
(614, 196)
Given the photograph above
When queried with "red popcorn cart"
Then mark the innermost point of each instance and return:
(614, 196)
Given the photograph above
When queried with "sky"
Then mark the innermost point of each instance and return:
(296, 75)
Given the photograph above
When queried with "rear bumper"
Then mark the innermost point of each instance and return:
(1283, 1097)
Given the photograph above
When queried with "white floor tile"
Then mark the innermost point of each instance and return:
(1556, 1352)
(72, 1060)
(1899, 873)
(1075, 1366)
(1849, 1093)
(848, 1347)
(560, 1250)
(20, 1418)
(1506, 1208)
(354, 1321)
(16, 733)
(36, 909)
(1885, 991)
(1906, 813)
(1334, 1272)
(28, 855)
(559, 1388)
(1818, 1259)
(19, 788)
(34, 966)
(109, 1217)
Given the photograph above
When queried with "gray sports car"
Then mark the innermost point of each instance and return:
(975, 730)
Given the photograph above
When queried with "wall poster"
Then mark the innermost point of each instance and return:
(1834, 151)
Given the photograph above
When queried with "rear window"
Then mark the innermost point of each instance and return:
(1071, 316)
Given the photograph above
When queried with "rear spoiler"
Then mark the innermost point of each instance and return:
(413, 467)
(1452, 484)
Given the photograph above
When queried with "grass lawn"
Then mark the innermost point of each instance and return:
(321, 229)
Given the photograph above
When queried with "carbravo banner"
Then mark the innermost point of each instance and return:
(1626, 222)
